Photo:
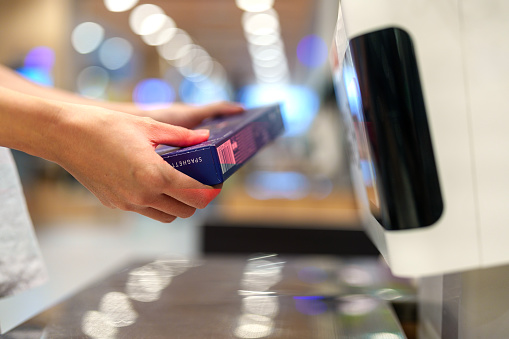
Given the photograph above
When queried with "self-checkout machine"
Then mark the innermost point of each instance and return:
(423, 88)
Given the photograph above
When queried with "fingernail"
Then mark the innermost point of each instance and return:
(202, 132)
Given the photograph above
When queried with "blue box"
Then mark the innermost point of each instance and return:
(233, 141)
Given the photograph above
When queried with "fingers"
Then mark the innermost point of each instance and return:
(219, 108)
(162, 208)
(189, 191)
(172, 206)
(161, 133)
(169, 194)
(156, 214)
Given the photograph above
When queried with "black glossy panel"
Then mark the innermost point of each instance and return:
(394, 122)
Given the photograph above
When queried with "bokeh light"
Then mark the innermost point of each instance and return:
(171, 50)
(299, 104)
(97, 325)
(310, 305)
(260, 23)
(264, 185)
(161, 36)
(138, 19)
(153, 23)
(119, 5)
(201, 93)
(38, 65)
(86, 37)
(93, 81)
(115, 53)
(153, 92)
(254, 5)
(312, 51)
(40, 57)
(37, 75)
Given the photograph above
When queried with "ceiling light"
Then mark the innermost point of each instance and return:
(163, 35)
(139, 14)
(86, 37)
(115, 53)
(119, 5)
(254, 5)
(170, 50)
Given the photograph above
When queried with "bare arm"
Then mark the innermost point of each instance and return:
(175, 114)
(110, 153)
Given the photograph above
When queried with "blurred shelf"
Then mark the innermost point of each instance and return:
(337, 210)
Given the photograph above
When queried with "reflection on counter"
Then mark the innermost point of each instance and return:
(143, 284)
(259, 305)
(260, 296)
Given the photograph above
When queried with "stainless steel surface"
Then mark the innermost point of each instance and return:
(236, 297)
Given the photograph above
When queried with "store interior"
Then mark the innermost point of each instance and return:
(291, 209)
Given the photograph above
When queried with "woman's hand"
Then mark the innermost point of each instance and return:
(113, 155)
(190, 116)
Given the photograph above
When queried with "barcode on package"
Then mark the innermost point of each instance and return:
(226, 156)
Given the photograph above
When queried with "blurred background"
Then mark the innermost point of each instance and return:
(293, 197)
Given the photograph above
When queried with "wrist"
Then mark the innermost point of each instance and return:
(26, 122)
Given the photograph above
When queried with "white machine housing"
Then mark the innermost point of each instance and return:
(462, 53)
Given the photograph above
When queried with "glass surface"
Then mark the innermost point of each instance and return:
(257, 296)
(382, 86)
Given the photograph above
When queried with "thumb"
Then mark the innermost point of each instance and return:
(219, 108)
(177, 136)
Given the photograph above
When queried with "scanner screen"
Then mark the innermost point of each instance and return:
(381, 81)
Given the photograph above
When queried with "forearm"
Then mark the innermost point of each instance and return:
(28, 123)
(11, 80)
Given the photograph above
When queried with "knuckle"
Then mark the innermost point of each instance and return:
(202, 202)
(125, 206)
(181, 133)
(141, 199)
(167, 219)
(188, 213)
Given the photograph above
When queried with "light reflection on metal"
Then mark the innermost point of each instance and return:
(259, 306)
(117, 307)
(310, 305)
(144, 284)
(247, 293)
(356, 276)
(254, 326)
(312, 274)
(97, 326)
(260, 275)
(357, 305)
(262, 256)
(266, 305)
(384, 335)
(171, 267)
(388, 294)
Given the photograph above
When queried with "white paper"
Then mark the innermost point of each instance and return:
(21, 263)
